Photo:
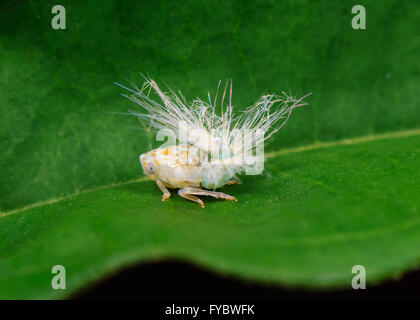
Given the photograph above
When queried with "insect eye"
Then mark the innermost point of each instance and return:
(149, 167)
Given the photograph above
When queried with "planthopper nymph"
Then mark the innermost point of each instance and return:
(214, 146)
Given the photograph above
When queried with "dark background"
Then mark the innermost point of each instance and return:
(167, 280)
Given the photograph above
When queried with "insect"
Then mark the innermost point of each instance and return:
(214, 147)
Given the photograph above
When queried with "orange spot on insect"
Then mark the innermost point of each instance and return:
(166, 152)
(157, 162)
(153, 154)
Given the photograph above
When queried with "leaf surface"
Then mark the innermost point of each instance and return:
(306, 221)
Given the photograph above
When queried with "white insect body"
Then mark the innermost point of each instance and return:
(213, 148)
(185, 167)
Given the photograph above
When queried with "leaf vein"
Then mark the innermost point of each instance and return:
(270, 155)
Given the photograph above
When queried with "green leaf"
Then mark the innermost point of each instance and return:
(71, 188)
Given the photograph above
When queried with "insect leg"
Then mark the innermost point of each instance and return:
(233, 181)
(185, 194)
(166, 193)
(203, 192)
